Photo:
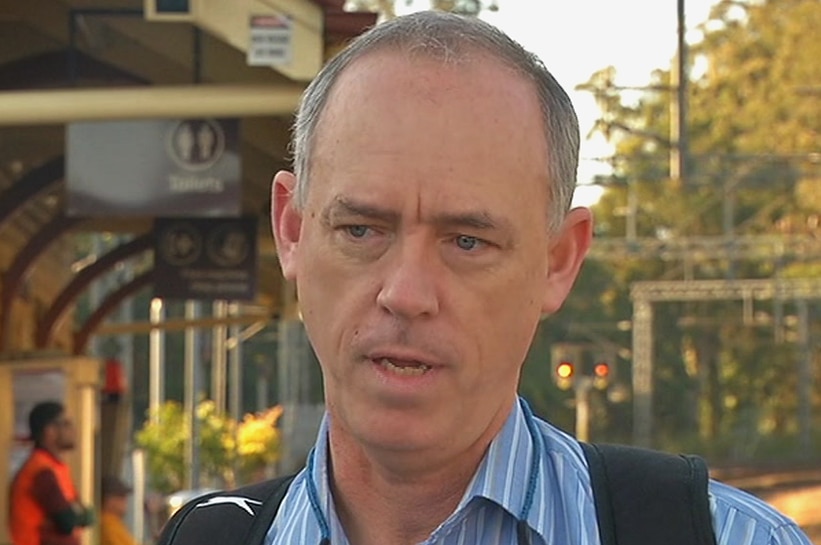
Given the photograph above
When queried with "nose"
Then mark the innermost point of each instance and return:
(409, 285)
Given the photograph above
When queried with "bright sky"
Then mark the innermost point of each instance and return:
(575, 38)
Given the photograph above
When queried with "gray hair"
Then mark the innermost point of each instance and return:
(451, 38)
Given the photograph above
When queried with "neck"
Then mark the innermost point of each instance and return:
(378, 505)
(52, 451)
(388, 497)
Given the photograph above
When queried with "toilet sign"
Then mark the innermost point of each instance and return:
(154, 167)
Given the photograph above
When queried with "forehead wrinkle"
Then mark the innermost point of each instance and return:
(480, 220)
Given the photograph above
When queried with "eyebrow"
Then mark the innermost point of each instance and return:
(480, 220)
(347, 207)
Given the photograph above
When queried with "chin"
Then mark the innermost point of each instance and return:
(401, 433)
(397, 443)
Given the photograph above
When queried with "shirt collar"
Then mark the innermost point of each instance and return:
(503, 474)
(321, 481)
(502, 477)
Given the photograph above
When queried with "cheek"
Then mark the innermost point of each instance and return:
(510, 330)
(331, 302)
(507, 316)
(512, 290)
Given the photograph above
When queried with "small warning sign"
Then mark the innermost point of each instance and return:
(271, 40)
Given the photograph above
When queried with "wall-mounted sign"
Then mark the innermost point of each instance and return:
(167, 167)
(271, 40)
(205, 258)
(168, 10)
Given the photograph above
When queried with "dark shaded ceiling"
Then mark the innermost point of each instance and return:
(62, 44)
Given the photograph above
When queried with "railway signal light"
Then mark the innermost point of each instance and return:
(565, 357)
(565, 370)
(601, 374)
(564, 375)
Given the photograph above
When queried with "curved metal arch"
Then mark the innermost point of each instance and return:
(19, 269)
(107, 306)
(29, 186)
(82, 280)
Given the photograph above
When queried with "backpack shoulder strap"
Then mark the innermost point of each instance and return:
(270, 506)
(647, 496)
(240, 516)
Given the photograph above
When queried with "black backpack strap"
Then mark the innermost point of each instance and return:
(646, 496)
(262, 522)
(240, 516)
(180, 516)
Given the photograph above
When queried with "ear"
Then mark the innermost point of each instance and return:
(567, 252)
(286, 221)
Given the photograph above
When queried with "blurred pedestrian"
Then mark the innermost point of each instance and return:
(45, 508)
(113, 530)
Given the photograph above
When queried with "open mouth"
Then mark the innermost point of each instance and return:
(405, 368)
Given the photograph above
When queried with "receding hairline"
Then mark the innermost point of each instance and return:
(454, 53)
(450, 38)
(462, 55)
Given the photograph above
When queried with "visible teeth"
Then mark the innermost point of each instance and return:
(410, 370)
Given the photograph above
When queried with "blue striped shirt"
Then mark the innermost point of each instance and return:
(562, 509)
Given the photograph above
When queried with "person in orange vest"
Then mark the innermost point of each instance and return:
(44, 505)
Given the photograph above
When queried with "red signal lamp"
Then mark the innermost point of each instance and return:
(601, 370)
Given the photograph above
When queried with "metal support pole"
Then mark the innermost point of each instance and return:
(632, 210)
(678, 106)
(805, 378)
(642, 371)
(192, 390)
(140, 479)
(156, 356)
(235, 366)
(582, 387)
(218, 372)
(262, 402)
(729, 225)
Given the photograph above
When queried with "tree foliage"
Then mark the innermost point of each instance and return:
(229, 451)
(724, 374)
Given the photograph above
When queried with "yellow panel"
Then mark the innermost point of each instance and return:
(66, 105)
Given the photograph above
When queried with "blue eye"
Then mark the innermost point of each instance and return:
(357, 231)
(466, 242)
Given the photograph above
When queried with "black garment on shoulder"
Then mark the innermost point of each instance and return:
(649, 497)
(223, 517)
(642, 497)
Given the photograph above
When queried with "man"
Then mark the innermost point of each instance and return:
(428, 229)
(44, 505)
(113, 530)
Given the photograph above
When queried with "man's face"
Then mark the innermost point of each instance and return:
(422, 257)
(62, 433)
(116, 504)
